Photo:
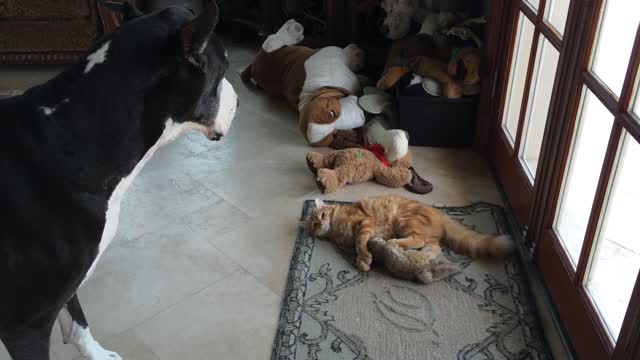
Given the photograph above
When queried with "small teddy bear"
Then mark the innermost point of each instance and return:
(357, 165)
(410, 264)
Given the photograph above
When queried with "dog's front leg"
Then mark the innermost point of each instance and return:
(75, 330)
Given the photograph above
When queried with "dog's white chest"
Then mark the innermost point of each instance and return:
(170, 133)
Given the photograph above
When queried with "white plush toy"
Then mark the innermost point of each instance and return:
(401, 13)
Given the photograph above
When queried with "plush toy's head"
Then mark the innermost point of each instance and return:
(397, 22)
(396, 144)
(465, 66)
(325, 107)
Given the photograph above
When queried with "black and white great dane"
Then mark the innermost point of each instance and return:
(73, 145)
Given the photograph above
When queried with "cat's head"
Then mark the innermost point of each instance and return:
(319, 222)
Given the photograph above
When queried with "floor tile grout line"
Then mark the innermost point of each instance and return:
(219, 194)
(176, 303)
(243, 268)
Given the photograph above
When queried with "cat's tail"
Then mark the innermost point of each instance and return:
(474, 244)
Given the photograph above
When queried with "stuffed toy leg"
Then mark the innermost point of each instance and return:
(290, 33)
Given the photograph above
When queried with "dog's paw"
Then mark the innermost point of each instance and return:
(106, 355)
(97, 352)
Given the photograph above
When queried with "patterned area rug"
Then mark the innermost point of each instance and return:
(333, 311)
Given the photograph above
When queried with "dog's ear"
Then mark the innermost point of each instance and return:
(128, 11)
(195, 35)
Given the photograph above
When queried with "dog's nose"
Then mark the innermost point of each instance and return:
(237, 103)
(215, 136)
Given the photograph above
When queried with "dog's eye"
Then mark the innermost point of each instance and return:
(333, 114)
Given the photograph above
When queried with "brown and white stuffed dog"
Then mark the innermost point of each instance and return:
(319, 83)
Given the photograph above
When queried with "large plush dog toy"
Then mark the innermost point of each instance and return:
(319, 83)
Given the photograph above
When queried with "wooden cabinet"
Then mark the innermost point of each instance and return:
(43, 31)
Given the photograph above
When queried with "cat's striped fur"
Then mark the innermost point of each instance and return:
(405, 222)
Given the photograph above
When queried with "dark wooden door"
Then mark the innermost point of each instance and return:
(571, 92)
(527, 75)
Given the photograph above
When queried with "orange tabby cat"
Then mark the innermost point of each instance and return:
(403, 222)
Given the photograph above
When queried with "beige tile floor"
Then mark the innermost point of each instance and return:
(200, 262)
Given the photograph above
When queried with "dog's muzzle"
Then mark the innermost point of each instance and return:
(228, 104)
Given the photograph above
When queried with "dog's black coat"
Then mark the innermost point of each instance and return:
(68, 143)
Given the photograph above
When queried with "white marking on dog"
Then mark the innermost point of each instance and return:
(49, 111)
(227, 106)
(171, 132)
(98, 57)
(81, 337)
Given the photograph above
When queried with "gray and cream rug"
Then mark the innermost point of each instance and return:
(332, 311)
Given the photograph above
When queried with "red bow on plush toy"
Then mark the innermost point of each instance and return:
(378, 151)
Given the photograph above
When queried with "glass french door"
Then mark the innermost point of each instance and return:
(566, 148)
(529, 81)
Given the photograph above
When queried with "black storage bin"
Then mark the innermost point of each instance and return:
(436, 120)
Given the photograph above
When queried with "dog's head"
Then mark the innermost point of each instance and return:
(174, 63)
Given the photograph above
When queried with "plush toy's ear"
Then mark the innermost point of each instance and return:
(195, 35)
(328, 92)
(319, 203)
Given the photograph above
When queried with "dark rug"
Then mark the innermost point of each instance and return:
(331, 310)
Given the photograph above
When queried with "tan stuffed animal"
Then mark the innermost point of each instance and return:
(409, 264)
(353, 166)
(319, 83)
(426, 67)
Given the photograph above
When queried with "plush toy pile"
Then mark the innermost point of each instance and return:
(337, 110)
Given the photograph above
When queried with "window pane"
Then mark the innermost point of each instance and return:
(534, 3)
(556, 14)
(616, 255)
(619, 22)
(544, 73)
(519, 63)
(582, 173)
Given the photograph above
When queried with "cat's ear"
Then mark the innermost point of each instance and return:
(319, 204)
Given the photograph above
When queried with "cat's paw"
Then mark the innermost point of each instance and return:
(362, 266)
(394, 243)
(364, 262)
